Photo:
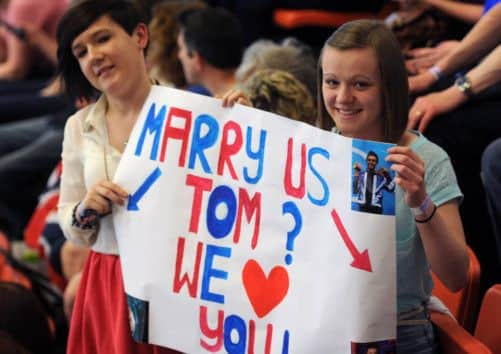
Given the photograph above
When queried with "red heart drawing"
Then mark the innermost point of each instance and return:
(264, 293)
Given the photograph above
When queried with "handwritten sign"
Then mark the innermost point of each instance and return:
(239, 234)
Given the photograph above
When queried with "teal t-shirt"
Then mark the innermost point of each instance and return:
(414, 283)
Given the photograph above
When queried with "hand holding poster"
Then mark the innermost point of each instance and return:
(240, 234)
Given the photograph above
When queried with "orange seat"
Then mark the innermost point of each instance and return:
(5, 246)
(464, 303)
(454, 339)
(489, 319)
(294, 18)
(7, 273)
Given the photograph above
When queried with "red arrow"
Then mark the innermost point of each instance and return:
(360, 260)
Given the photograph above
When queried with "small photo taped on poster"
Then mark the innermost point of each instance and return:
(373, 183)
(379, 347)
(138, 318)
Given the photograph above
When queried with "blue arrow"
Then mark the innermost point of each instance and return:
(141, 191)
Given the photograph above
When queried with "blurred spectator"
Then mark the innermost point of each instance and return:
(491, 172)
(274, 91)
(461, 115)
(30, 148)
(28, 152)
(291, 56)
(21, 99)
(467, 11)
(65, 259)
(44, 233)
(210, 48)
(20, 60)
(420, 59)
(162, 57)
(481, 42)
(281, 93)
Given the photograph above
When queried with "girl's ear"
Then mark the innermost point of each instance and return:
(141, 35)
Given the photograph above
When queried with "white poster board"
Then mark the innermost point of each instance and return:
(240, 234)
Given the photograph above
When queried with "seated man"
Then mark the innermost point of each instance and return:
(210, 48)
(65, 259)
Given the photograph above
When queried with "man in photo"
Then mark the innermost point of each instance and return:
(368, 185)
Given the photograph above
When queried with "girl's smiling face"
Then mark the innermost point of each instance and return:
(352, 91)
(108, 56)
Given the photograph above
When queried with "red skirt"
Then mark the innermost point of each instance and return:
(100, 318)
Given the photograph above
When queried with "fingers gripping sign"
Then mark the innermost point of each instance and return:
(100, 198)
(410, 171)
(235, 96)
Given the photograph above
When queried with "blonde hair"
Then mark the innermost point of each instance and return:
(279, 92)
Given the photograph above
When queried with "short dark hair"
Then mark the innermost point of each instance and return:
(215, 34)
(78, 18)
(372, 153)
(395, 96)
(163, 51)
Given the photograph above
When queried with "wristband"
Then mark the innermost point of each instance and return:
(436, 72)
(429, 217)
(421, 210)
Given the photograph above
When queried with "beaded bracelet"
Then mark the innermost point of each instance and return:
(429, 217)
(89, 218)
